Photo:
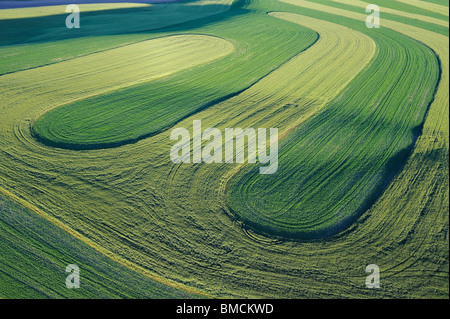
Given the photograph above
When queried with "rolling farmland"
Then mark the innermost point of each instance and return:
(362, 117)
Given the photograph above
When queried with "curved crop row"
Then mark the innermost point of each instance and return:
(34, 37)
(172, 219)
(433, 7)
(334, 166)
(87, 76)
(25, 236)
(130, 114)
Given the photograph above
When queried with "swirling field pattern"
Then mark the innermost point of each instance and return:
(86, 175)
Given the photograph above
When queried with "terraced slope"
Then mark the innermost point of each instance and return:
(172, 221)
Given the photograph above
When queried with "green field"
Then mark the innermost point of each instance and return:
(35, 254)
(86, 176)
(347, 153)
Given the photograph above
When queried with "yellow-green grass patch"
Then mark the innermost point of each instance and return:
(433, 7)
(54, 85)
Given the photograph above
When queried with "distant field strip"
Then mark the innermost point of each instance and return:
(434, 7)
(294, 82)
(128, 65)
(364, 4)
(44, 39)
(40, 11)
(438, 114)
(21, 13)
(26, 236)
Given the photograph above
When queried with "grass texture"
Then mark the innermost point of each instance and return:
(363, 177)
